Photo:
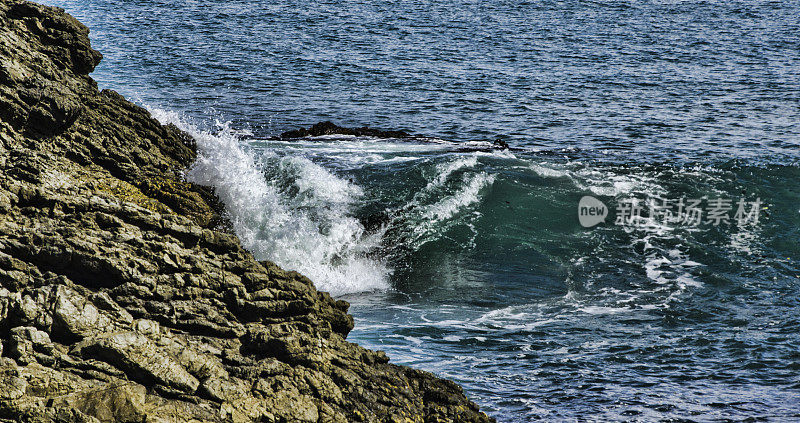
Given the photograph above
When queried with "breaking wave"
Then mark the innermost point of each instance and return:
(287, 208)
(301, 219)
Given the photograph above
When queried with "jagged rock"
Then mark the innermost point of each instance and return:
(122, 296)
(25, 340)
(74, 316)
(118, 403)
(141, 359)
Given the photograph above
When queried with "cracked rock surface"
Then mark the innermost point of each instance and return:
(122, 295)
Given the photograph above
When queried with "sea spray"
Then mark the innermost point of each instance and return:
(299, 219)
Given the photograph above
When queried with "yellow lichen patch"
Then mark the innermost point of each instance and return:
(102, 182)
(129, 193)
(166, 185)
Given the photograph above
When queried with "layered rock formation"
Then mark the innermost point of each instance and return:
(122, 295)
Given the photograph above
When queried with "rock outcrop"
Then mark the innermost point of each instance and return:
(330, 128)
(122, 295)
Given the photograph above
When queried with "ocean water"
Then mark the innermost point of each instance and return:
(471, 262)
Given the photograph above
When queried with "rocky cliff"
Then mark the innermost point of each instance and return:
(122, 296)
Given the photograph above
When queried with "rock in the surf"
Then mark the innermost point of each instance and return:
(330, 128)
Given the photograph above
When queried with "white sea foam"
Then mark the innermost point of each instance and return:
(469, 194)
(548, 171)
(444, 170)
(308, 227)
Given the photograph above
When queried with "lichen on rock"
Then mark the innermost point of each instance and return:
(122, 295)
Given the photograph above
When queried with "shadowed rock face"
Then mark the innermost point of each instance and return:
(123, 298)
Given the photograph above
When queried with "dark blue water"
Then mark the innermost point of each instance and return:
(471, 262)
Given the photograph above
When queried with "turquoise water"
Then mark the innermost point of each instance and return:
(471, 262)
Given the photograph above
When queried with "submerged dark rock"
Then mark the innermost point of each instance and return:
(499, 143)
(122, 296)
(330, 128)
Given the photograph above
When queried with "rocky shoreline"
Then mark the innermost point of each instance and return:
(123, 297)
